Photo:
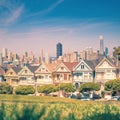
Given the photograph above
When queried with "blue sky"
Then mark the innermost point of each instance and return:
(32, 25)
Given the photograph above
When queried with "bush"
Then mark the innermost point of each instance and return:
(5, 88)
(47, 89)
(67, 87)
(25, 90)
(89, 87)
(113, 85)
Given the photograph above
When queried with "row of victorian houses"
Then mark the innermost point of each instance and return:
(100, 70)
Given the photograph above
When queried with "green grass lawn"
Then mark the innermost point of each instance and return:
(19, 107)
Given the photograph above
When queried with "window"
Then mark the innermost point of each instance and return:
(25, 71)
(62, 68)
(22, 78)
(82, 66)
(11, 73)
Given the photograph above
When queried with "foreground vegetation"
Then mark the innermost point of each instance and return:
(17, 107)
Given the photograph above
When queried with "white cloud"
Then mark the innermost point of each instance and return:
(15, 15)
(49, 9)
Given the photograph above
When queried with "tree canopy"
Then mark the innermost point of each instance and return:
(47, 89)
(67, 87)
(113, 85)
(5, 88)
(89, 87)
(25, 90)
(116, 52)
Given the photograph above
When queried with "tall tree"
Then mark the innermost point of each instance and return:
(113, 85)
(87, 87)
(116, 52)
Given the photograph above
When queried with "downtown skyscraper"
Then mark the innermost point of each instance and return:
(101, 44)
(58, 50)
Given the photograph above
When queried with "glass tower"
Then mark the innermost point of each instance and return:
(58, 50)
(101, 44)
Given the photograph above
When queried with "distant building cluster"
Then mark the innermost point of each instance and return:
(71, 67)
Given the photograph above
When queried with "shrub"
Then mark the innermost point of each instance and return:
(47, 89)
(89, 87)
(113, 85)
(67, 87)
(5, 88)
(25, 90)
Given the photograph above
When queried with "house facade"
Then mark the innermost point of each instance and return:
(83, 72)
(63, 72)
(27, 75)
(105, 70)
(11, 76)
(44, 74)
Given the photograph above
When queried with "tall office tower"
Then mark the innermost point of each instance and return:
(1, 60)
(101, 44)
(47, 58)
(4, 52)
(31, 56)
(58, 50)
(10, 56)
(89, 52)
(106, 51)
(74, 56)
(25, 54)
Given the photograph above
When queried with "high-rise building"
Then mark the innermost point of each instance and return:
(47, 58)
(89, 52)
(101, 44)
(106, 51)
(58, 50)
(1, 60)
(4, 52)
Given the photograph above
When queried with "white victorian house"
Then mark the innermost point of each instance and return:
(83, 72)
(105, 70)
(27, 75)
(44, 74)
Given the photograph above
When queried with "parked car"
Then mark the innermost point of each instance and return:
(108, 97)
(115, 97)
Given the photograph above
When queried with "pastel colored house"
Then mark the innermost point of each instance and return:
(105, 70)
(63, 72)
(83, 72)
(43, 74)
(12, 76)
(27, 75)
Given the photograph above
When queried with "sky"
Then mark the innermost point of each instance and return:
(32, 25)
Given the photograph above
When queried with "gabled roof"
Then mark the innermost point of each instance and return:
(99, 61)
(50, 66)
(16, 69)
(70, 65)
(90, 64)
(32, 68)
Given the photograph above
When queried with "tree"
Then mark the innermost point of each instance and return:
(5, 88)
(113, 85)
(47, 89)
(67, 87)
(116, 52)
(25, 90)
(87, 87)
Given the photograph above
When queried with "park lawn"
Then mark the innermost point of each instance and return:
(23, 107)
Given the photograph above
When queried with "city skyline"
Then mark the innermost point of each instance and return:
(35, 25)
